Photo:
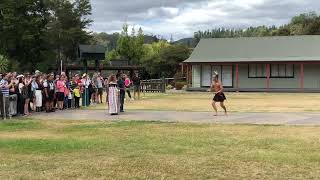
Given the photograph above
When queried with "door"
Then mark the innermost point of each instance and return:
(206, 76)
(227, 76)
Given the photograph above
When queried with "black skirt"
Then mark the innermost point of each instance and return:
(60, 96)
(219, 97)
(50, 96)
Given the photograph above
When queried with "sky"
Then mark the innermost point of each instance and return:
(181, 18)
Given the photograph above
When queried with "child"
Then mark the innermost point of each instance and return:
(76, 93)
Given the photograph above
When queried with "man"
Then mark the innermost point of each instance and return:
(219, 95)
(49, 87)
(99, 85)
(85, 81)
(122, 89)
(4, 85)
(136, 85)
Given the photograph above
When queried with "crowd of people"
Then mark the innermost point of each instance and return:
(41, 92)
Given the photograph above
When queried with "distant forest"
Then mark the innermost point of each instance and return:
(303, 24)
(110, 40)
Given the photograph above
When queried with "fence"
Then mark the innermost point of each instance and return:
(153, 85)
(158, 85)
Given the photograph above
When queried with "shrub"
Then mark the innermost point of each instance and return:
(169, 87)
(4, 63)
(180, 84)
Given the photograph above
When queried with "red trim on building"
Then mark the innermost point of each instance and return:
(302, 76)
(182, 70)
(237, 77)
(268, 75)
(187, 66)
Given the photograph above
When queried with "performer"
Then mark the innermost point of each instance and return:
(219, 96)
(113, 96)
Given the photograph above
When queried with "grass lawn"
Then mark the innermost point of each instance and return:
(236, 102)
(33, 149)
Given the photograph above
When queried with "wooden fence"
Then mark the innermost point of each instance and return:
(153, 85)
(157, 85)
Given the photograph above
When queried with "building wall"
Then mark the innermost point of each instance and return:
(246, 82)
(311, 78)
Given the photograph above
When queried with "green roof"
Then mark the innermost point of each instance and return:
(257, 49)
(92, 52)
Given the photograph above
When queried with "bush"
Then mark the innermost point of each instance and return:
(180, 84)
(4, 63)
(169, 87)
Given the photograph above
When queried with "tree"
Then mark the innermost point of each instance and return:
(130, 47)
(33, 32)
(4, 63)
(162, 59)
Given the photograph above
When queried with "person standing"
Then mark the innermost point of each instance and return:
(61, 90)
(127, 83)
(77, 95)
(28, 82)
(38, 93)
(219, 96)
(48, 86)
(85, 81)
(136, 86)
(21, 98)
(122, 89)
(4, 85)
(113, 96)
(99, 84)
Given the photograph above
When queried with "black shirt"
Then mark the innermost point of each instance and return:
(136, 81)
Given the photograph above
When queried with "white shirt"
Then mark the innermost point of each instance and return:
(86, 82)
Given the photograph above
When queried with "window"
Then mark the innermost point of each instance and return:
(282, 70)
(257, 71)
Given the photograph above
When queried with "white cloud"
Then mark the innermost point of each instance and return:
(182, 18)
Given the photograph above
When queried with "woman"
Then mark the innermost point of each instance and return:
(34, 86)
(21, 99)
(127, 83)
(26, 93)
(61, 86)
(38, 93)
(113, 96)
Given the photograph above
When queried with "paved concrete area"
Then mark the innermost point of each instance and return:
(309, 119)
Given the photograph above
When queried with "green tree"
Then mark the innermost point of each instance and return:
(32, 32)
(130, 47)
(4, 63)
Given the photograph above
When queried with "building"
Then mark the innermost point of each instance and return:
(279, 63)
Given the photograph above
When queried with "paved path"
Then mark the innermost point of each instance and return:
(197, 117)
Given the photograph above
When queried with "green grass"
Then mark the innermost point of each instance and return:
(19, 125)
(154, 150)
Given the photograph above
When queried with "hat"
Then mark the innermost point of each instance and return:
(20, 76)
(84, 75)
(37, 71)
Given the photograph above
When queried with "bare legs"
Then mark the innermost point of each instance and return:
(216, 109)
(224, 108)
(26, 107)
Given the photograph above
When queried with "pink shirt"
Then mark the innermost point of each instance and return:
(127, 82)
(61, 86)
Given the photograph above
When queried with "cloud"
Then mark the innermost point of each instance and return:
(182, 18)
